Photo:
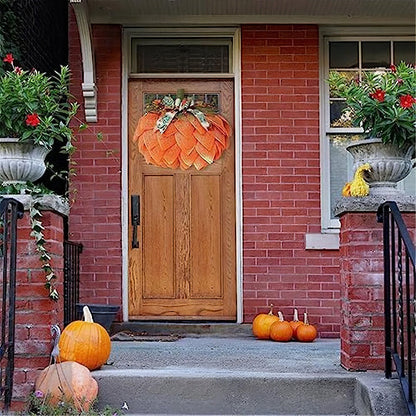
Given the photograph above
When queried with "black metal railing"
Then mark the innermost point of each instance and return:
(72, 253)
(399, 299)
(10, 211)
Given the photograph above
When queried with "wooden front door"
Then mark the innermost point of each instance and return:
(184, 265)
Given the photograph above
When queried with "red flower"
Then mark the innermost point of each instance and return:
(393, 68)
(18, 70)
(9, 58)
(32, 120)
(406, 101)
(378, 95)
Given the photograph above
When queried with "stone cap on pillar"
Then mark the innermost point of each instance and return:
(370, 203)
(54, 203)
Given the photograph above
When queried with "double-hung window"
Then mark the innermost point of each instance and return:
(351, 56)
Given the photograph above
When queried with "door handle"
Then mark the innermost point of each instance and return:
(135, 218)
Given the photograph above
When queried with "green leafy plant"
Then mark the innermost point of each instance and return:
(36, 107)
(382, 103)
(38, 404)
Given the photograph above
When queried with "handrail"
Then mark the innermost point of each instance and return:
(399, 298)
(10, 211)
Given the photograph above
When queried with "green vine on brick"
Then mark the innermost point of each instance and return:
(36, 191)
(44, 256)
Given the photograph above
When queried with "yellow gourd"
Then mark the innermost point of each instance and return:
(358, 186)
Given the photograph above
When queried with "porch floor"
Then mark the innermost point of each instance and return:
(241, 375)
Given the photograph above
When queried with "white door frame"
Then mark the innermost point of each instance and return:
(235, 74)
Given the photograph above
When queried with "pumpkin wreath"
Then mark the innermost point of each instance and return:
(179, 133)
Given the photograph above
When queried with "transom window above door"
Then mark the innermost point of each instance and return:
(181, 55)
(209, 100)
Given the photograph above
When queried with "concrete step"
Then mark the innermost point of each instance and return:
(241, 376)
(190, 393)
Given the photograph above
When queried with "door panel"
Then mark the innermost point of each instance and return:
(205, 237)
(184, 265)
(158, 231)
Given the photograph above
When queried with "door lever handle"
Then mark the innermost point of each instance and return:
(135, 218)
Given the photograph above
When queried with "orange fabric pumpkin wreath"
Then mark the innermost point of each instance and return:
(185, 142)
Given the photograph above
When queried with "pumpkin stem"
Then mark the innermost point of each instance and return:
(87, 314)
(305, 319)
(271, 309)
(295, 316)
(280, 315)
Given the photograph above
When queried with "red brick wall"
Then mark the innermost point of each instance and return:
(362, 290)
(35, 312)
(281, 177)
(95, 218)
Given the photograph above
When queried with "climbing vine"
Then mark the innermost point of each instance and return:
(44, 256)
(35, 215)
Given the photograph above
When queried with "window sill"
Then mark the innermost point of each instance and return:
(322, 241)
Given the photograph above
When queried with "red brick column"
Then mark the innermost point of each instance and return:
(35, 312)
(362, 289)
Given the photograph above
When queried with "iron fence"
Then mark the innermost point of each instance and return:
(72, 253)
(10, 211)
(399, 299)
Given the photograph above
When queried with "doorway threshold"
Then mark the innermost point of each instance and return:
(191, 329)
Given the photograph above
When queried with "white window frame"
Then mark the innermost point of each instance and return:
(327, 34)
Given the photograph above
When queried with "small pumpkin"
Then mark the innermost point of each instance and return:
(295, 323)
(85, 342)
(281, 330)
(262, 323)
(69, 382)
(306, 332)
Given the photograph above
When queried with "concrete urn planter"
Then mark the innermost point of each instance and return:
(389, 164)
(21, 162)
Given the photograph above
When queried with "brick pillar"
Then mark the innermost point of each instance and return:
(35, 312)
(362, 282)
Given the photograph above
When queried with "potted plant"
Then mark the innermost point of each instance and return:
(35, 111)
(383, 103)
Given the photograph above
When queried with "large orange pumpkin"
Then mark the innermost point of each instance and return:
(262, 323)
(85, 342)
(70, 382)
(184, 143)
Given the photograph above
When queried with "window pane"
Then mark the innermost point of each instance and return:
(347, 75)
(343, 54)
(182, 58)
(409, 183)
(211, 100)
(376, 54)
(340, 167)
(404, 51)
(339, 118)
